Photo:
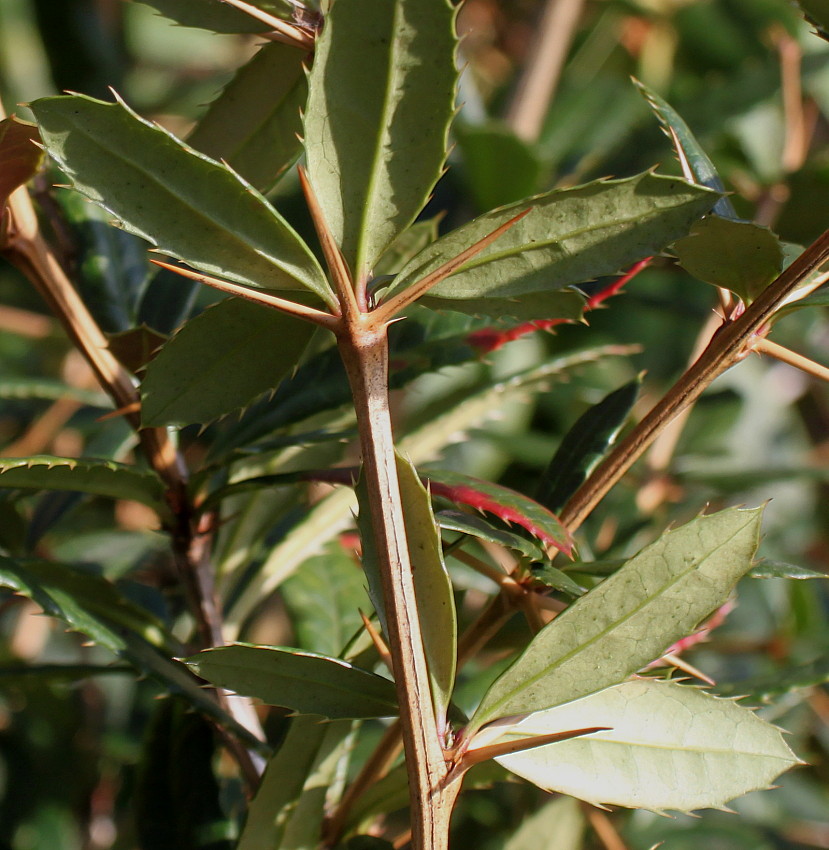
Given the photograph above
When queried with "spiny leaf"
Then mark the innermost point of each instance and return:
(254, 124)
(477, 526)
(584, 446)
(220, 361)
(304, 682)
(20, 158)
(506, 504)
(670, 748)
(737, 255)
(381, 96)
(692, 155)
(816, 13)
(569, 236)
(778, 569)
(656, 598)
(96, 477)
(191, 207)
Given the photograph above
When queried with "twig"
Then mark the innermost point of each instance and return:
(727, 347)
(792, 358)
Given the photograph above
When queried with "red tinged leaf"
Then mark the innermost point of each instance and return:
(19, 156)
(508, 505)
(491, 339)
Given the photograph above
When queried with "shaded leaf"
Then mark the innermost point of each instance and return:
(508, 505)
(254, 124)
(690, 152)
(567, 304)
(304, 682)
(557, 825)
(569, 236)
(96, 477)
(20, 158)
(550, 576)
(659, 596)
(736, 255)
(189, 206)
(381, 96)
(816, 13)
(220, 361)
(477, 526)
(774, 685)
(584, 446)
(670, 748)
(410, 242)
(433, 587)
(289, 805)
(218, 16)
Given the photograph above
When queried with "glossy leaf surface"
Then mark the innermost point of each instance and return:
(656, 598)
(221, 361)
(187, 205)
(569, 236)
(254, 124)
(96, 477)
(381, 96)
(672, 747)
(304, 682)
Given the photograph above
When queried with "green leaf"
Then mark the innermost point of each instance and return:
(221, 361)
(569, 236)
(778, 569)
(817, 13)
(550, 576)
(304, 682)
(96, 477)
(557, 825)
(798, 677)
(736, 255)
(20, 158)
(43, 388)
(499, 167)
(670, 748)
(290, 800)
(218, 16)
(689, 149)
(563, 304)
(433, 587)
(659, 596)
(189, 206)
(381, 97)
(584, 446)
(254, 125)
(405, 246)
(476, 526)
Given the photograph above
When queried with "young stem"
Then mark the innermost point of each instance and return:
(364, 350)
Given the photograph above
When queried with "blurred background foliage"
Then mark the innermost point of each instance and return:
(92, 762)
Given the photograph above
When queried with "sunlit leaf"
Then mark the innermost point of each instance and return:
(670, 748)
(778, 569)
(584, 446)
(658, 597)
(433, 587)
(96, 477)
(220, 361)
(736, 255)
(254, 124)
(187, 205)
(551, 576)
(305, 682)
(569, 236)
(381, 96)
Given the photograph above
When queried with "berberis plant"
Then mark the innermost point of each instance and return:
(311, 340)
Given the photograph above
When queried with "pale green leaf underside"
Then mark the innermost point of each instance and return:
(95, 477)
(254, 124)
(569, 236)
(305, 682)
(433, 587)
(671, 747)
(220, 361)
(381, 97)
(187, 205)
(659, 596)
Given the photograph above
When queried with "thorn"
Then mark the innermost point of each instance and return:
(379, 643)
